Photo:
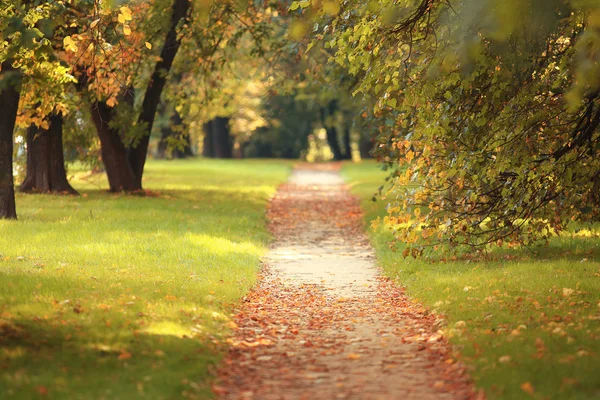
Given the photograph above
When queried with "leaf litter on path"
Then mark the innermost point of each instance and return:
(323, 323)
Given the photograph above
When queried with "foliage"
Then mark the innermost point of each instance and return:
(291, 121)
(134, 299)
(492, 112)
(521, 320)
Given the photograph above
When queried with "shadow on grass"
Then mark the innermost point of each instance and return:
(137, 364)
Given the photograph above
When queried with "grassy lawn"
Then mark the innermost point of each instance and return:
(527, 323)
(117, 297)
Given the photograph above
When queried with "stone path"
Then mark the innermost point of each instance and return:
(323, 323)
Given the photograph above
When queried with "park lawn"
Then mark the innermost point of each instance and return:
(526, 323)
(111, 296)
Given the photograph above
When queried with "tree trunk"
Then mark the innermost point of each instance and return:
(347, 144)
(174, 130)
(138, 154)
(114, 153)
(45, 160)
(10, 79)
(327, 113)
(334, 145)
(217, 138)
(365, 147)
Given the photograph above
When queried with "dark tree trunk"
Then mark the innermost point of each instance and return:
(217, 139)
(347, 144)
(10, 79)
(114, 153)
(45, 159)
(365, 147)
(138, 154)
(334, 145)
(174, 130)
(332, 137)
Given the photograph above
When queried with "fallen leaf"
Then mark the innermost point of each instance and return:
(504, 359)
(528, 388)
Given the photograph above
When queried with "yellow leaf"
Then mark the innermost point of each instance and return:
(126, 30)
(94, 23)
(353, 356)
(126, 12)
(70, 44)
(298, 29)
(148, 46)
(331, 7)
(121, 19)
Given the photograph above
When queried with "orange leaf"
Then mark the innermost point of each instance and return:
(528, 388)
(124, 355)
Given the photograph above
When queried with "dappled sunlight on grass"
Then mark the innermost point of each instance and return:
(167, 328)
(115, 295)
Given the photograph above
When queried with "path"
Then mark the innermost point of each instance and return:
(323, 324)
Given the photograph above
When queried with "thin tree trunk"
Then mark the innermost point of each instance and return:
(347, 144)
(334, 145)
(45, 159)
(114, 153)
(365, 147)
(10, 78)
(330, 129)
(138, 154)
(222, 139)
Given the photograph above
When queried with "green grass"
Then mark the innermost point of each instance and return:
(525, 316)
(108, 296)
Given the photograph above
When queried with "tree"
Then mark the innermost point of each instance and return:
(45, 103)
(10, 80)
(218, 142)
(158, 79)
(45, 159)
(291, 118)
(25, 52)
(494, 112)
(124, 153)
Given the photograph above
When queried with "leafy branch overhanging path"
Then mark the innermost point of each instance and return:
(323, 323)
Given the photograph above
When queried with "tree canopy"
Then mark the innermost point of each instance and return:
(490, 111)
